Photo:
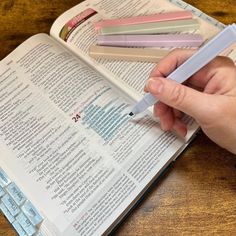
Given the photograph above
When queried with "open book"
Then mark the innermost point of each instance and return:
(66, 139)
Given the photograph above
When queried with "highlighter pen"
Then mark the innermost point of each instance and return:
(165, 16)
(152, 28)
(128, 54)
(199, 59)
(160, 40)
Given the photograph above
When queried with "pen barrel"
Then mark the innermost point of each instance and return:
(147, 101)
(205, 54)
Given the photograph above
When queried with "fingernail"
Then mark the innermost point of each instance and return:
(163, 126)
(180, 128)
(155, 86)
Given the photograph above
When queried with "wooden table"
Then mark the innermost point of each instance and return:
(198, 194)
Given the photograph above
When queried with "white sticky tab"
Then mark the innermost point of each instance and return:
(7, 213)
(10, 204)
(19, 229)
(16, 194)
(31, 213)
(2, 192)
(4, 180)
(26, 224)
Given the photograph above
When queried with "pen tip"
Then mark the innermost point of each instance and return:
(131, 114)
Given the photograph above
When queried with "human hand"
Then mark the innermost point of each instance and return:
(209, 96)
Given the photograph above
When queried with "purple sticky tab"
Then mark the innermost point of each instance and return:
(162, 40)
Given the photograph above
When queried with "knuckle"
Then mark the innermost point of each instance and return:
(222, 60)
(226, 60)
(178, 94)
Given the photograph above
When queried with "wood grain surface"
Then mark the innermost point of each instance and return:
(197, 196)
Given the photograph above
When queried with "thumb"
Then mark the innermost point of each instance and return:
(181, 97)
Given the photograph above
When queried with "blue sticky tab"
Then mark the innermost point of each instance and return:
(4, 180)
(10, 204)
(16, 194)
(2, 192)
(26, 224)
(19, 229)
(7, 213)
(31, 213)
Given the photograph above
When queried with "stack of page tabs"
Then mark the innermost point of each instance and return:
(134, 38)
(18, 210)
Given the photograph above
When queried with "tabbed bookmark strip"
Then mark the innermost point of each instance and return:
(128, 54)
(163, 40)
(166, 16)
(17, 209)
(152, 28)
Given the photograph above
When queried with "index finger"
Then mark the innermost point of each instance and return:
(169, 63)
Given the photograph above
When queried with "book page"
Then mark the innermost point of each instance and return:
(75, 30)
(68, 143)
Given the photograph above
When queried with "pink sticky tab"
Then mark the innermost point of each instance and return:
(166, 16)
